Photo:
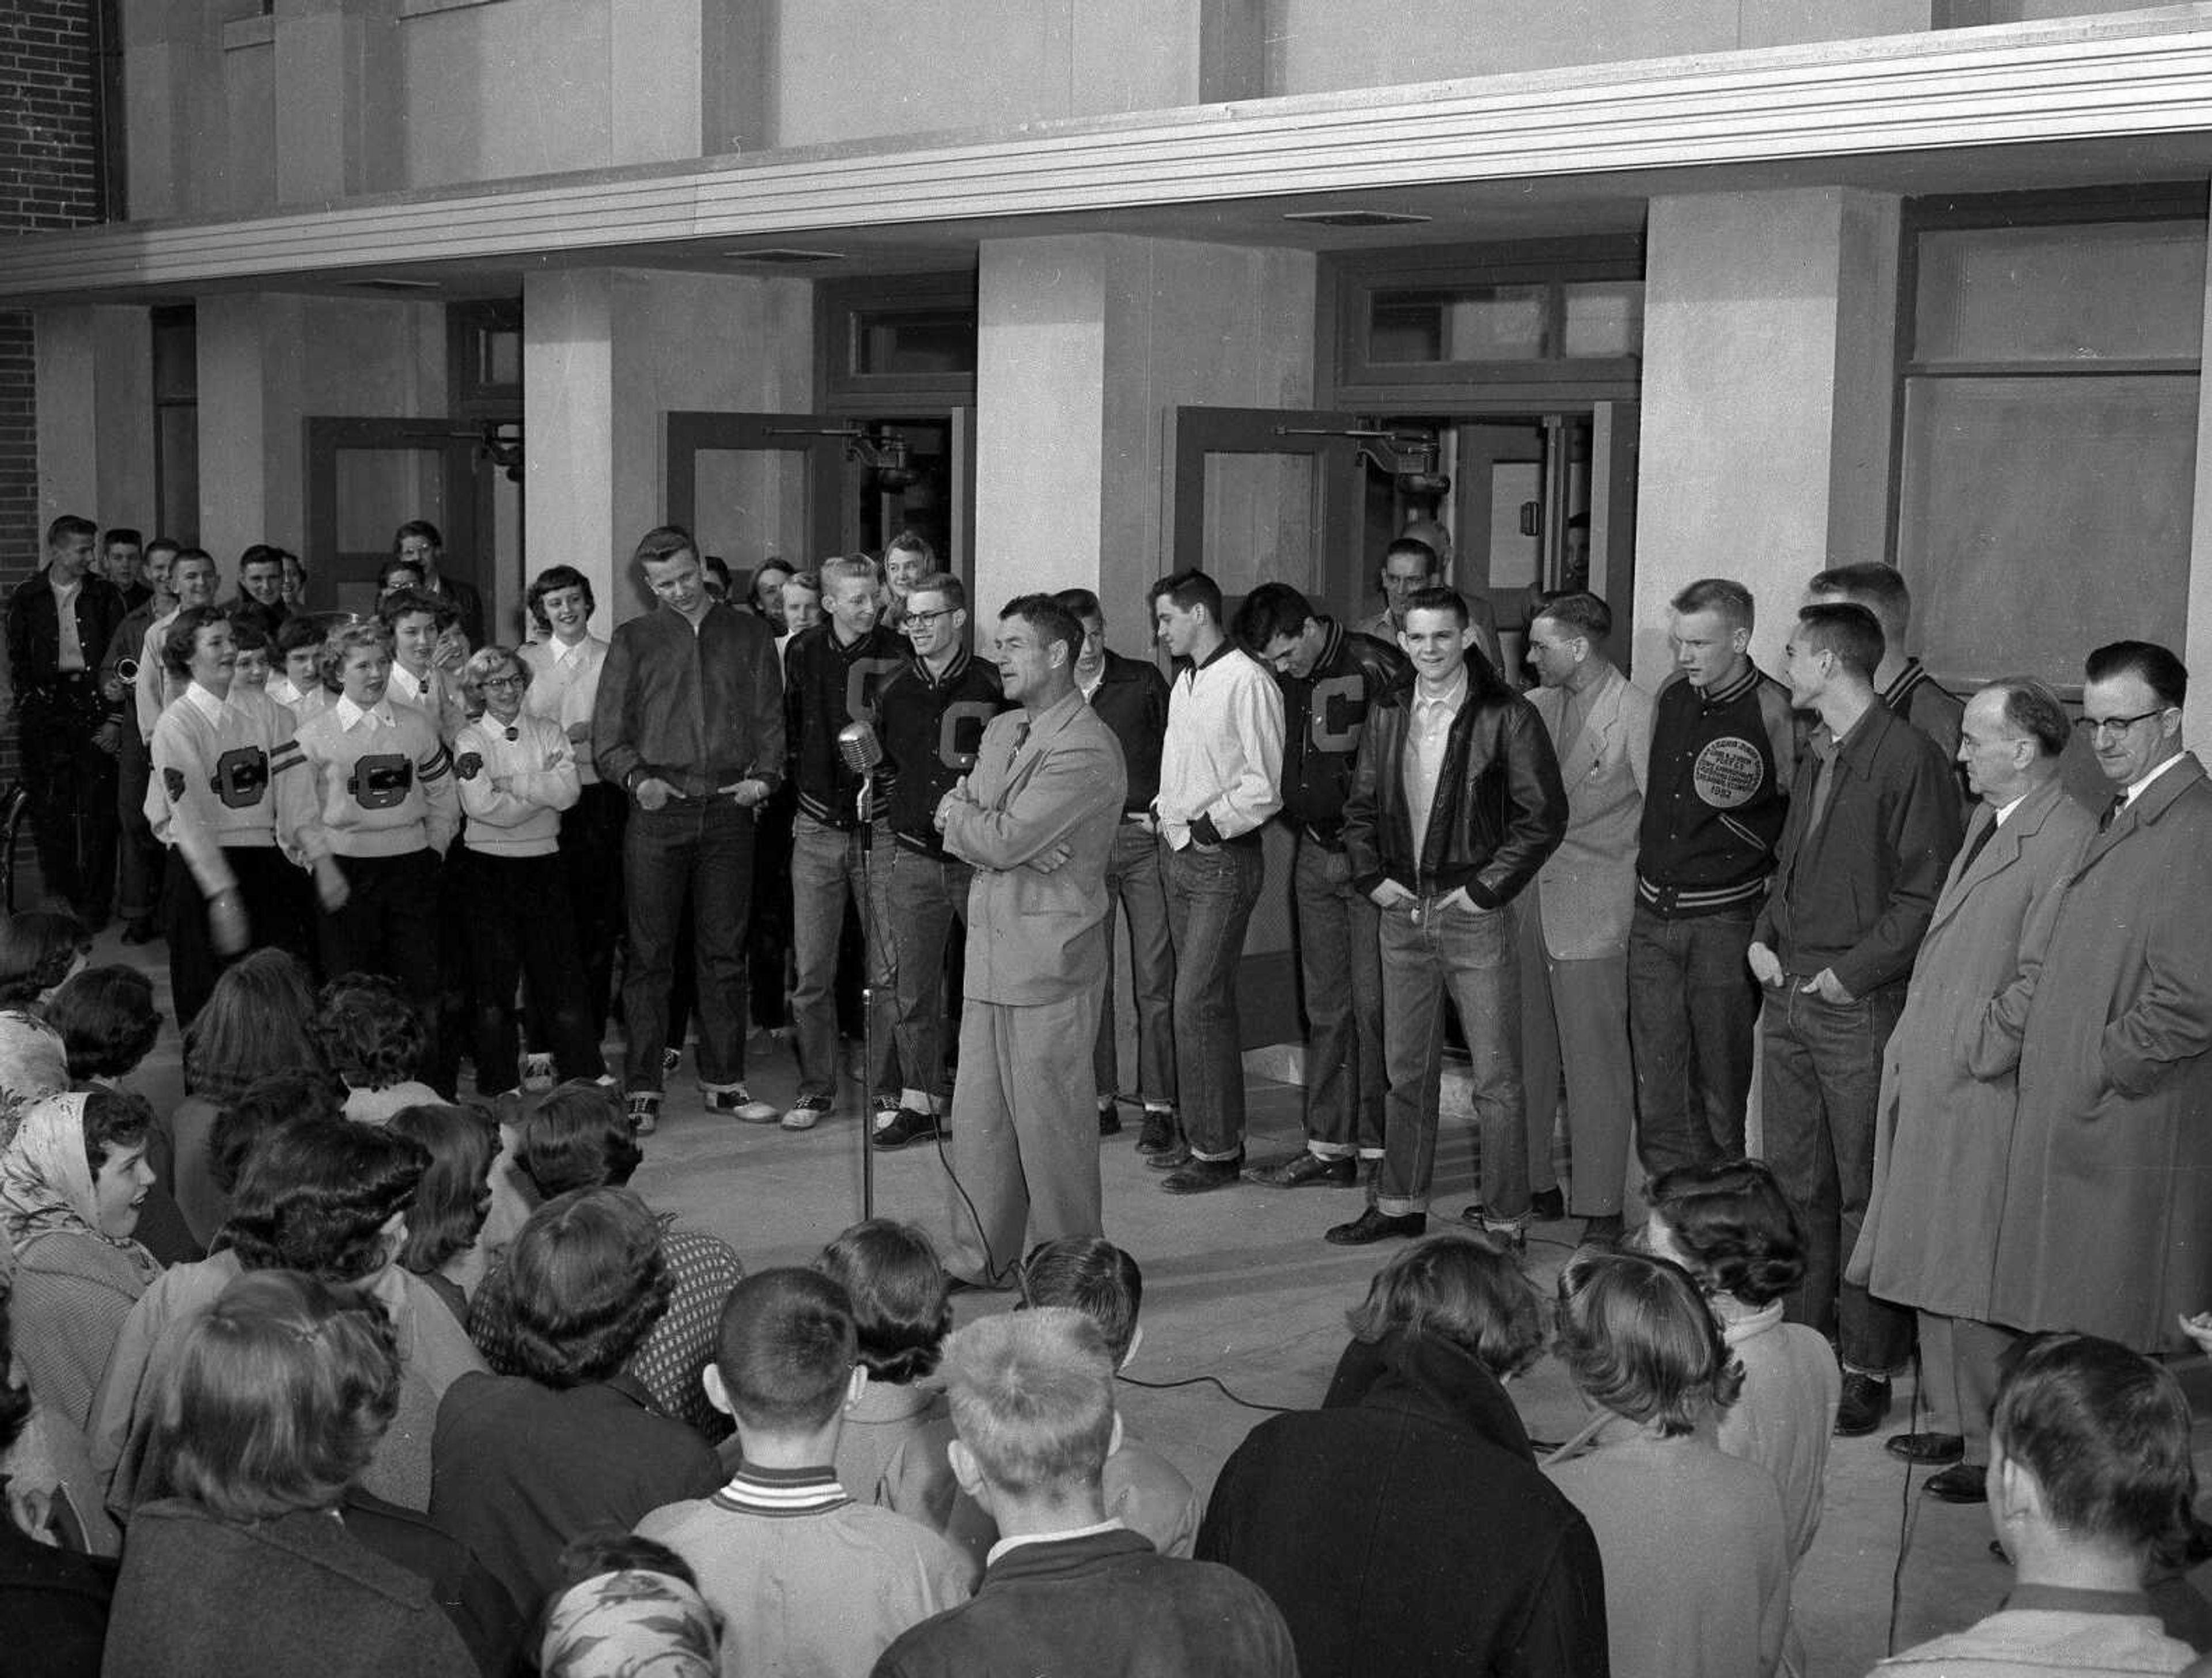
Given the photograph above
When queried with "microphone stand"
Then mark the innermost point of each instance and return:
(864, 807)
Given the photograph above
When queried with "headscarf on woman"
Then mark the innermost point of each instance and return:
(45, 1181)
(631, 1624)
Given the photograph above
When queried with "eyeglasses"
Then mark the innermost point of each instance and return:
(2111, 728)
(922, 620)
(501, 682)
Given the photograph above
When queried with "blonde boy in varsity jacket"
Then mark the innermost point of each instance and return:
(371, 809)
(218, 751)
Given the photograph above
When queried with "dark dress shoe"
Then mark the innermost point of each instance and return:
(1865, 1402)
(1371, 1226)
(1201, 1176)
(1302, 1169)
(908, 1126)
(1928, 1450)
(1158, 1135)
(1110, 1121)
(1547, 1205)
(1962, 1482)
(1177, 1156)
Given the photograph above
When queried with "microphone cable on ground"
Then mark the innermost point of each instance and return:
(1908, 1511)
(1216, 1381)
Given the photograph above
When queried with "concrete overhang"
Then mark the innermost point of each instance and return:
(2125, 97)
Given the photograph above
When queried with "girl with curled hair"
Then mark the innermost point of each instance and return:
(272, 1403)
(375, 1039)
(450, 1204)
(1733, 1229)
(565, 659)
(258, 1021)
(38, 952)
(107, 1021)
(329, 1199)
(902, 1312)
(518, 774)
(1696, 1559)
(526, 1461)
(580, 1138)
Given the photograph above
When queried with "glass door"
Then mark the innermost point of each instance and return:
(365, 477)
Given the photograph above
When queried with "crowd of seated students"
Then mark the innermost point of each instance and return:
(351, 1424)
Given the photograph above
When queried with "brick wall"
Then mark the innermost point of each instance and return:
(50, 178)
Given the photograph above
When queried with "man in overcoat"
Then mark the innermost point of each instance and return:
(2108, 1211)
(1949, 1078)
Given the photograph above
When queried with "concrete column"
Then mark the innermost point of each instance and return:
(233, 462)
(568, 425)
(2196, 647)
(607, 354)
(1769, 337)
(1086, 344)
(95, 414)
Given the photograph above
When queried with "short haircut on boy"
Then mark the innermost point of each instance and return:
(786, 1350)
(2105, 1432)
(1089, 1274)
(902, 1304)
(1032, 1397)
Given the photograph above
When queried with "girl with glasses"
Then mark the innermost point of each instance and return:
(517, 773)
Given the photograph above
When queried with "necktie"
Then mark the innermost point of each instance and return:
(1021, 737)
(2111, 811)
(1974, 849)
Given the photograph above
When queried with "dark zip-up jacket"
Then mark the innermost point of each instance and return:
(1131, 701)
(1499, 812)
(1856, 893)
(34, 641)
(701, 710)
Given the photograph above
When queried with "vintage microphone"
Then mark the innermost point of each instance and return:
(864, 754)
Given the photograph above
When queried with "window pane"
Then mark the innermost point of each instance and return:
(751, 503)
(378, 489)
(1604, 318)
(1476, 323)
(499, 358)
(1259, 522)
(2061, 293)
(2042, 516)
(913, 343)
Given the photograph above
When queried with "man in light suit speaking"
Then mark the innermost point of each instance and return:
(1036, 818)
